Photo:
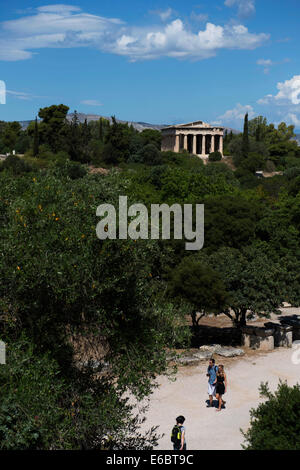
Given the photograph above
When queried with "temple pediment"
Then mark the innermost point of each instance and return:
(193, 125)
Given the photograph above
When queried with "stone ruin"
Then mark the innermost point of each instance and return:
(272, 335)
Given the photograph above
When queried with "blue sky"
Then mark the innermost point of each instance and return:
(159, 62)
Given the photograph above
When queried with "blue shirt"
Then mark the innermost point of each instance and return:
(212, 371)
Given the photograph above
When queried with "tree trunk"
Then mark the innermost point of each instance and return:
(242, 321)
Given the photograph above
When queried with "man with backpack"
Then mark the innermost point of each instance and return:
(178, 434)
(212, 378)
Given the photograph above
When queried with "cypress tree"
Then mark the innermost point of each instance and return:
(245, 146)
(100, 130)
(257, 133)
(226, 137)
(36, 139)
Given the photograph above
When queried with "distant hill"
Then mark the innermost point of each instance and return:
(229, 129)
(140, 126)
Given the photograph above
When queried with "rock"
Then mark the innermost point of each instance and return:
(213, 348)
(228, 351)
(203, 355)
(187, 360)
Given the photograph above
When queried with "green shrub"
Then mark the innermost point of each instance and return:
(214, 169)
(215, 157)
(71, 169)
(253, 162)
(41, 410)
(292, 172)
(16, 165)
(292, 162)
(32, 395)
(183, 160)
(275, 424)
(150, 155)
(270, 166)
(294, 186)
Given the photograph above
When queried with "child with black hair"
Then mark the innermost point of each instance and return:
(178, 434)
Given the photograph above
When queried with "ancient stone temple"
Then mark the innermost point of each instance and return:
(198, 138)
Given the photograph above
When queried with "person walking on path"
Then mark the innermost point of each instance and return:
(212, 378)
(221, 386)
(178, 434)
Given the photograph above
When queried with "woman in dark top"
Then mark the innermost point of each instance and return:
(221, 386)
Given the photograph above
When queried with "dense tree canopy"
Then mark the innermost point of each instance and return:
(101, 315)
(275, 423)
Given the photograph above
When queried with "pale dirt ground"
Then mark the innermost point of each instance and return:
(206, 428)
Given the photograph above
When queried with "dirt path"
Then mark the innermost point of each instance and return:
(207, 429)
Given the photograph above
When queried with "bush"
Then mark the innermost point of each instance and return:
(71, 169)
(246, 178)
(270, 166)
(214, 169)
(294, 187)
(215, 157)
(292, 162)
(275, 424)
(16, 165)
(41, 410)
(150, 155)
(31, 412)
(183, 160)
(292, 172)
(253, 162)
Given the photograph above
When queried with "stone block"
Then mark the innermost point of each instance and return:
(267, 343)
(264, 332)
(263, 343)
(246, 340)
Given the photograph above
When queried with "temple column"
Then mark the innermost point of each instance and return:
(195, 144)
(185, 142)
(203, 144)
(221, 144)
(176, 148)
(212, 144)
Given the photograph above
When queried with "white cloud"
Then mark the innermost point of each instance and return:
(175, 40)
(291, 117)
(67, 26)
(199, 17)
(164, 14)
(289, 90)
(265, 100)
(245, 8)
(234, 117)
(91, 102)
(21, 95)
(268, 63)
(60, 8)
(286, 103)
(288, 94)
(265, 62)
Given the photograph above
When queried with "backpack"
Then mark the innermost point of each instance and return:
(176, 435)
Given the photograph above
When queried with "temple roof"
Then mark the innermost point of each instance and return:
(195, 124)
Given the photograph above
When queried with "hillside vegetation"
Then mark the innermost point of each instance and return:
(126, 299)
